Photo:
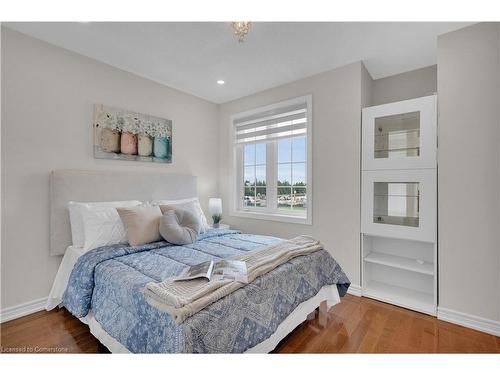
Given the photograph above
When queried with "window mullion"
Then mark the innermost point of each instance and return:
(292, 198)
(254, 175)
(271, 173)
(240, 186)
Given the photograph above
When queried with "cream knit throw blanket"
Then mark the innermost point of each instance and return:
(182, 299)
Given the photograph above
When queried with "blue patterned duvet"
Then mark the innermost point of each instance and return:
(109, 280)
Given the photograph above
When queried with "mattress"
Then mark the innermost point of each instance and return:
(108, 283)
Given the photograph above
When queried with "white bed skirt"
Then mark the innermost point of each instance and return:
(328, 293)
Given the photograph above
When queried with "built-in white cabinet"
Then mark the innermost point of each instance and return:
(400, 135)
(399, 204)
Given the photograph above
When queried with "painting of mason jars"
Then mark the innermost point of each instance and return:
(124, 135)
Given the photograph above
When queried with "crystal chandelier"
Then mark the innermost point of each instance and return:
(241, 29)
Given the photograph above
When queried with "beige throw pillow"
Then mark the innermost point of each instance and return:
(141, 223)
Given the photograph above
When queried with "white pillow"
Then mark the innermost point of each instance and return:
(190, 204)
(76, 210)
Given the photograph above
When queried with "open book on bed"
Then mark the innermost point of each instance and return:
(222, 269)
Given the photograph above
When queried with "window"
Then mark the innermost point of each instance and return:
(272, 162)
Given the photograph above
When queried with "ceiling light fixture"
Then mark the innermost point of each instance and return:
(241, 29)
(220, 82)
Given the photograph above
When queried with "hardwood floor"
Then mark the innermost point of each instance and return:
(55, 331)
(363, 325)
(356, 325)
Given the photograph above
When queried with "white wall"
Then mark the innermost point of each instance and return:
(336, 157)
(469, 170)
(366, 88)
(408, 85)
(47, 99)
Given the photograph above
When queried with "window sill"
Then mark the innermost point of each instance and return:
(272, 217)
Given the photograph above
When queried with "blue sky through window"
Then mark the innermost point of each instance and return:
(299, 149)
(284, 151)
(291, 160)
(298, 173)
(292, 150)
(255, 154)
(249, 154)
(260, 153)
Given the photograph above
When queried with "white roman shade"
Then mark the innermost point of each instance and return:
(285, 122)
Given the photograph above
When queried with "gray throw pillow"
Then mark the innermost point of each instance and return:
(179, 227)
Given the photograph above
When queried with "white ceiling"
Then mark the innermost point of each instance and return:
(191, 57)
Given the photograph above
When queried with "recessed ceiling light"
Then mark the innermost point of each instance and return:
(220, 82)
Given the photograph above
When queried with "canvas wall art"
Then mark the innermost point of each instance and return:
(125, 135)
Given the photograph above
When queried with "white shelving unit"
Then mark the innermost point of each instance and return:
(399, 204)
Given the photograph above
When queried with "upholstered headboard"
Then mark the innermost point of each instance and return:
(101, 185)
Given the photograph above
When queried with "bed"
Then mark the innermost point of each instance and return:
(104, 287)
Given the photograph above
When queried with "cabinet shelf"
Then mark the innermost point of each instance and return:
(377, 214)
(397, 149)
(407, 221)
(400, 262)
(397, 132)
(395, 195)
(409, 298)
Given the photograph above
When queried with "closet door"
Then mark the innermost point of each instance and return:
(400, 135)
(399, 204)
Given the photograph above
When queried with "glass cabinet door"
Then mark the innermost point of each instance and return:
(399, 204)
(397, 136)
(396, 203)
(400, 135)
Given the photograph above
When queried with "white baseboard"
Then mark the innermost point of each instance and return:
(355, 290)
(23, 309)
(471, 321)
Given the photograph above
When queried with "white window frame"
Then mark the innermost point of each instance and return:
(236, 179)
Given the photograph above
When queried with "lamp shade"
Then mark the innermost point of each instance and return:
(215, 206)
